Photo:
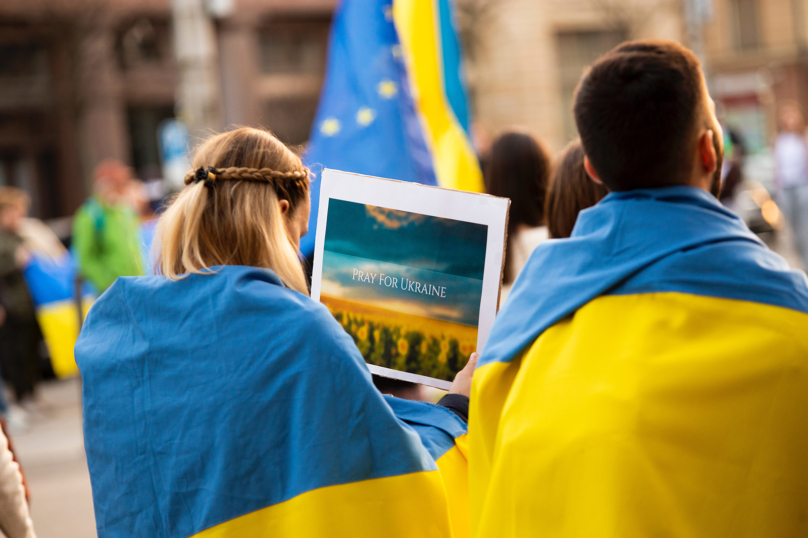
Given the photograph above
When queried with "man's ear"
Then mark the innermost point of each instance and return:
(591, 171)
(707, 156)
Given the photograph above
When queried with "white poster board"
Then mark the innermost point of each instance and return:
(412, 272)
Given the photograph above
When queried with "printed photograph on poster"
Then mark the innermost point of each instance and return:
(402, 267)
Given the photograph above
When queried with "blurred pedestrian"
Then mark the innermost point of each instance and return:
(649, 375)
(15, 517)
(519, 168)
(732, 173)
(791, 173)
(19, 335)
(571, 190)
(105, 229)
(144, 197)
(254, 406)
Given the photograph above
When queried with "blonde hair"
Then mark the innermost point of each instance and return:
(229, 212)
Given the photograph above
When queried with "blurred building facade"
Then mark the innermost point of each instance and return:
(758, 57)
(85, 80)
(527, 56)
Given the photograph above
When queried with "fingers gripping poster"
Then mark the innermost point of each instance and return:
(412, 273)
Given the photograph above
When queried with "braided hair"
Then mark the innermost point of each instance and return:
(289, 185)
(231, 211)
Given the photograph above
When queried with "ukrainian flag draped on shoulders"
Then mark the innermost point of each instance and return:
(226, 405)
(51, 279)
(646, 377)
(394, 102)
(445, 437)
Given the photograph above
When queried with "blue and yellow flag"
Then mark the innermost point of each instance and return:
(394, 101)
(445, 436)
(647, 377)
(226, 405)
(52, 286)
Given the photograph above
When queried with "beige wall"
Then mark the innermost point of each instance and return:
(517, 75)
(778, 31)
(777, 62)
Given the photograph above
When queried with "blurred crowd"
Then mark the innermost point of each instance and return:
(112, 236)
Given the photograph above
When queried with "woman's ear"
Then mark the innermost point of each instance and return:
(284, 206)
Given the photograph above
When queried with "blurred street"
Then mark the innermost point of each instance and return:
(52, 454)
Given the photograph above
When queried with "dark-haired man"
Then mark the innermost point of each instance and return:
(649, 375)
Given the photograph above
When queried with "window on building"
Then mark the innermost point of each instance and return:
(25, 78)
(745, 24)
(294, 46)
(144, 123)
(143, 41)
(23, 60)
(292, 55)
(577, 50)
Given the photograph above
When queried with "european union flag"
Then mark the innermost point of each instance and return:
(366, 122)
(369, 122)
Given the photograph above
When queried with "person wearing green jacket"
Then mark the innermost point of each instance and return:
(105, 227)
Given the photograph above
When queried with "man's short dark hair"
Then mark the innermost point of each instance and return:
(637, 110)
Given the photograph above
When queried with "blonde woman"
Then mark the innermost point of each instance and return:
(220, 400)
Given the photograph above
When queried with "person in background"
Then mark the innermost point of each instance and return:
(649, 375)
(218, 396)
(105, 229)
(791, 173)
(570, 191)
(19, 335)
(15, 518)
(734, 155)
(141, 198)
(519, 168)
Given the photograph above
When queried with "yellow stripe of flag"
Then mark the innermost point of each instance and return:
(455, 162)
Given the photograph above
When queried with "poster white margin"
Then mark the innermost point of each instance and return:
(464, 206)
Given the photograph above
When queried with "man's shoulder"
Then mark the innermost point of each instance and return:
(678, 326)
(730, 270)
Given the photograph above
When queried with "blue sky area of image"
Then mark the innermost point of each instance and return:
(410, 239)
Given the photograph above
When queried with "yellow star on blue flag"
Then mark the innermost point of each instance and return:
(365, 116)
(330, 126)
(387, 89)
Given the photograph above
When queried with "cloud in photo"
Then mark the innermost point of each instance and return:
(407, 239)
(461, 304)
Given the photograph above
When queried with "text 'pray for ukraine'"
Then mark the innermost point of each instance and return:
(404, 283)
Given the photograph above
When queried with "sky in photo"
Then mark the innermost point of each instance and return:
(439, 252)
(431, 243)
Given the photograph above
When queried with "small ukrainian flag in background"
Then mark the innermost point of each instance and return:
(51, 281)
(394, 103)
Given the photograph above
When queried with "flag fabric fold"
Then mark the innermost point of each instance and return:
(374, 118)
(431, 53)
(444, 435)
(228, 405)
(647, 376)
(52, 282)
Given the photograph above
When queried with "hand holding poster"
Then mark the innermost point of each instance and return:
(411, 272)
